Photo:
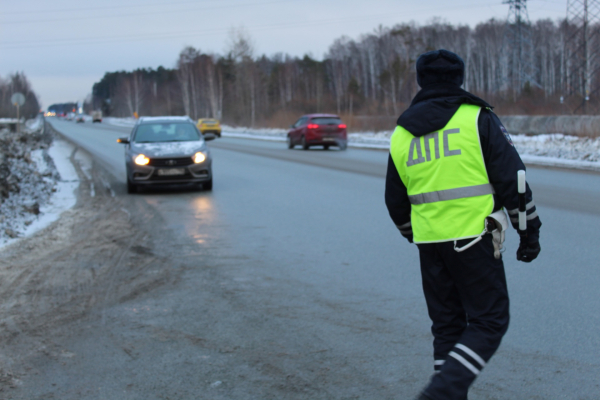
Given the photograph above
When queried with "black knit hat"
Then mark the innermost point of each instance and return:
(440, 66)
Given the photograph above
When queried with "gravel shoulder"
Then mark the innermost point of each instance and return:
(90, 258)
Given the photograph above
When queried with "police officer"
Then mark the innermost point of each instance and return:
(452, 164)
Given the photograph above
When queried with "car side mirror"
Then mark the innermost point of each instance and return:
(209, 136)
(123, 140)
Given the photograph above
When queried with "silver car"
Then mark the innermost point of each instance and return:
(167, 150)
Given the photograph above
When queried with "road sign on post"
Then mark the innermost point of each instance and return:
(18, 99)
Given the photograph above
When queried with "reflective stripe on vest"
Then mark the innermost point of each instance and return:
(446, 179)
(451, 194)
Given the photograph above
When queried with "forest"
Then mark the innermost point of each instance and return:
(368, 80)
(14, 83)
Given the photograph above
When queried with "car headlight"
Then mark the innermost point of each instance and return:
(141, 159)
(199, 157)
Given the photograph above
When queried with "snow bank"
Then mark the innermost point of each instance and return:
(558, 150)
(277, 135)
(559, 146)
(37, 181)
(119, 121)
(35, 124)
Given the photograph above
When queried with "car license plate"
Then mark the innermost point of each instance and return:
(171, 171)
(329, 139)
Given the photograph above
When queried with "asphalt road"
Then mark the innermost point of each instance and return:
(304, 289)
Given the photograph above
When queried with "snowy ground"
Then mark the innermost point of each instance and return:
(35, 124)
(119, 121)
(46, 184)
(556, 149)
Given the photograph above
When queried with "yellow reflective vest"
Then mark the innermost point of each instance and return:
(446, 179)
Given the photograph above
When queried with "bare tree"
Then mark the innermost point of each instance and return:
(241, 50)
(373, 74)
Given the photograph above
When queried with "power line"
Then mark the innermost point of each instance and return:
(121, 15)
(122, 38)
(176, 34)
(112, 7)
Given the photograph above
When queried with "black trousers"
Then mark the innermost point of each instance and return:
(467, 300)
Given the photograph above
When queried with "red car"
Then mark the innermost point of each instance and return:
(318, 130)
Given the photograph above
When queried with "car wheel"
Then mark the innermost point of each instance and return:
(131, 188)
(290, 143)
(326, 147)
(305, 145)
(207, 185)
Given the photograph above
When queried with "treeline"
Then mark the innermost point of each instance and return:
(63, 108)
(17, 83)
(372, 76)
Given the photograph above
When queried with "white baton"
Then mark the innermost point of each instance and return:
(521, 188)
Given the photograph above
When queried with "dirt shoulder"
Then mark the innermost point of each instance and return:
(92, 257)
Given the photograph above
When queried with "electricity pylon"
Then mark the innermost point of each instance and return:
(517, 47)
(582, 51)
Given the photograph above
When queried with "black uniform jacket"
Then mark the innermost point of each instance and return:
(430, 111)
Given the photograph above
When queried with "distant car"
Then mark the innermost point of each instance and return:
(167, 150)
(70, 116)
(209, 125)
(79, 118)
(96, 116)
(318, 130)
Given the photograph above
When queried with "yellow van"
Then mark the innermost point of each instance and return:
(209, 125)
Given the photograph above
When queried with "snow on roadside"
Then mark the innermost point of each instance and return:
(119, 121)
(44, 185)
(275, 134)
(34, 124)
(63, 197)
(556, 149)
(559, 146)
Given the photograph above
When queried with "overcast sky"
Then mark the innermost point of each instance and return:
(65, 46)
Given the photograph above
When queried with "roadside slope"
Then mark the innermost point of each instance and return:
(90, 258)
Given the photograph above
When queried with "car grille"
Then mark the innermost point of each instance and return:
(171, 162)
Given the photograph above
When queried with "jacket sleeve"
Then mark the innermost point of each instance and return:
(396, 200)
(502, 163)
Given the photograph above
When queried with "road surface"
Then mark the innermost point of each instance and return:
(289, 281)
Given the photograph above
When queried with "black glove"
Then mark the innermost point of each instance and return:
(408, 237)
(528, 250)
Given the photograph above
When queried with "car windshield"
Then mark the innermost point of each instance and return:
(209, 121)
(326, 121)
(166, 132)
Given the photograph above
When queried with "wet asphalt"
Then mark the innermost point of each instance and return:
(294, 283)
